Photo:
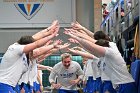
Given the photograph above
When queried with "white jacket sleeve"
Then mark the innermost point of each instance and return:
(53, 75)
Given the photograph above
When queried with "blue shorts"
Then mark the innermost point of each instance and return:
(127, 88)
(28, 88)
(99, 85)
(17, 88)
(67, 91)
(90, 85)
(5, 88)
(107, 86)
(36, 87)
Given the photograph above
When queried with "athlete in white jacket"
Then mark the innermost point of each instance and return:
(68, 73)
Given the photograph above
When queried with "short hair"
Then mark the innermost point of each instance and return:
(101, 35)
(102, 42)
(65, 55)
(26, 40)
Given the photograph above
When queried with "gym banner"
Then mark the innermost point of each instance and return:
(36, 13)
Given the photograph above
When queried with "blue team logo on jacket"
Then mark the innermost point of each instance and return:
(99, 64)
(28, 10)
(67, 75)
(24, 59)
(104, 66)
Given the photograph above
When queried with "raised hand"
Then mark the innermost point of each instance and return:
(55, 33)
(82, 29)
(45, 32)
(50, 41)
(79, 34)
(72, 31)
(66, 45)
(56, 43)
(53, 25)
(73, 40)
(77, 26)
(53, 28)
(73, 50)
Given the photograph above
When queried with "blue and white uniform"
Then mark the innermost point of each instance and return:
(12, 66)
(115, 68)
(106, 82)
(37, 82)
(92, 73)
(29, 77)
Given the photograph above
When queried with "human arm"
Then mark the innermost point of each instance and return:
(44, 49)
(43, 67)
(42, 57)
(90, 46)
(74, 82)
(39, 43)
(77, 26)
(60, 47)
(81, 53)
(48, 53)
(79, 34)
(53, 77)
(40, 80)
(47, 31)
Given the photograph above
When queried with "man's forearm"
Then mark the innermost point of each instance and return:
(52, 77)
(41, 34)
(88, 32)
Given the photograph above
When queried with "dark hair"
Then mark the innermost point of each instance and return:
(102, 42)
(101, 35)
(104, 4)
(26, 40)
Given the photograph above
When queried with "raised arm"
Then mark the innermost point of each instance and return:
(90, 46)
(46, 31)
(77, 26)
(39, 43)
(44, 49)
(81, 53)
(81, 35)
(42, 57)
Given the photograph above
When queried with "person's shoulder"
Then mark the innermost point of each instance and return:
(58, 64)
(112, 43)
(15, 45)
(12, 46)
(75, 63)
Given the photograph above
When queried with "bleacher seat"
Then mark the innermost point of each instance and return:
(135, 72)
